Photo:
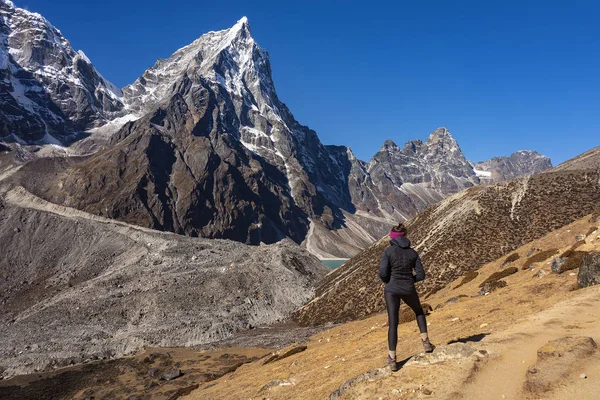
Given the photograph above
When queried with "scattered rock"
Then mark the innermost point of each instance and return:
(541, 273)
(579, 237)
(427, 392)
(454, 351)
(583, 376)
(531, 251)
(153, 372)
(557, 263)
(171, 374)
(556, 361)
(369, 376)
(589, 271)
(277, 382)
(483, 325)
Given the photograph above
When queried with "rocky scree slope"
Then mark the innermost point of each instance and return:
(75, 287)
(49, 91)
(461, 233)
(211, 138)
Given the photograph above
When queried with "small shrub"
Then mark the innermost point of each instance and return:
(595, 215)
(468, 277)
(492, 286)
(407, 314)
(513, 257)
(577, 244)
(539, 257)
(496, 276)
(573, 262)
(567, 253)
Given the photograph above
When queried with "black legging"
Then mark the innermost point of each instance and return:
(392, 302)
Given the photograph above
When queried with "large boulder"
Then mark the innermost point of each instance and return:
(556, 360)
(589, 271)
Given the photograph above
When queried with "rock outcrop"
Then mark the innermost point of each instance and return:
(589, 270)
(556, 361)
(523, 162)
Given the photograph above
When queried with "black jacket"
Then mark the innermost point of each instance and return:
(397, 264)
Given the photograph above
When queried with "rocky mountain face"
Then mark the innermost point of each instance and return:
(463, 232)
(209, 149)
(422, 171)
(218, 156)
(75, 287)
(523, 162)
(48, 91)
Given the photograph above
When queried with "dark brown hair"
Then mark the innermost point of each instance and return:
(400, 228)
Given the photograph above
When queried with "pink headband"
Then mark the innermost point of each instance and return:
(396, 235)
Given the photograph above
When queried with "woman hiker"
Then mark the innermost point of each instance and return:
(396, 269)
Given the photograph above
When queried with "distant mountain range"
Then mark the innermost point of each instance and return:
(201, 145)
(463, 232)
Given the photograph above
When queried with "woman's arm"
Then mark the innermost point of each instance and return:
(385, 269)
(419, 270)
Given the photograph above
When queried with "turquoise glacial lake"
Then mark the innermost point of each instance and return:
(333, 264)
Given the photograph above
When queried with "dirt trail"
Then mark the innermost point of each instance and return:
(503, 377)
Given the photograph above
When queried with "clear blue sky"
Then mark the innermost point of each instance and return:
(501, 75)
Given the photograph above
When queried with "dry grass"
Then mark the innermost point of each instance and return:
(496, 276)
(346, 351)
(539, 257)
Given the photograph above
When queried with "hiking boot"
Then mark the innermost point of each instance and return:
(427, 346)
(393, 364)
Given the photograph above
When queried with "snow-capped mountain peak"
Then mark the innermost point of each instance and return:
(52, 91)
(230, 58)
(7, 3)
